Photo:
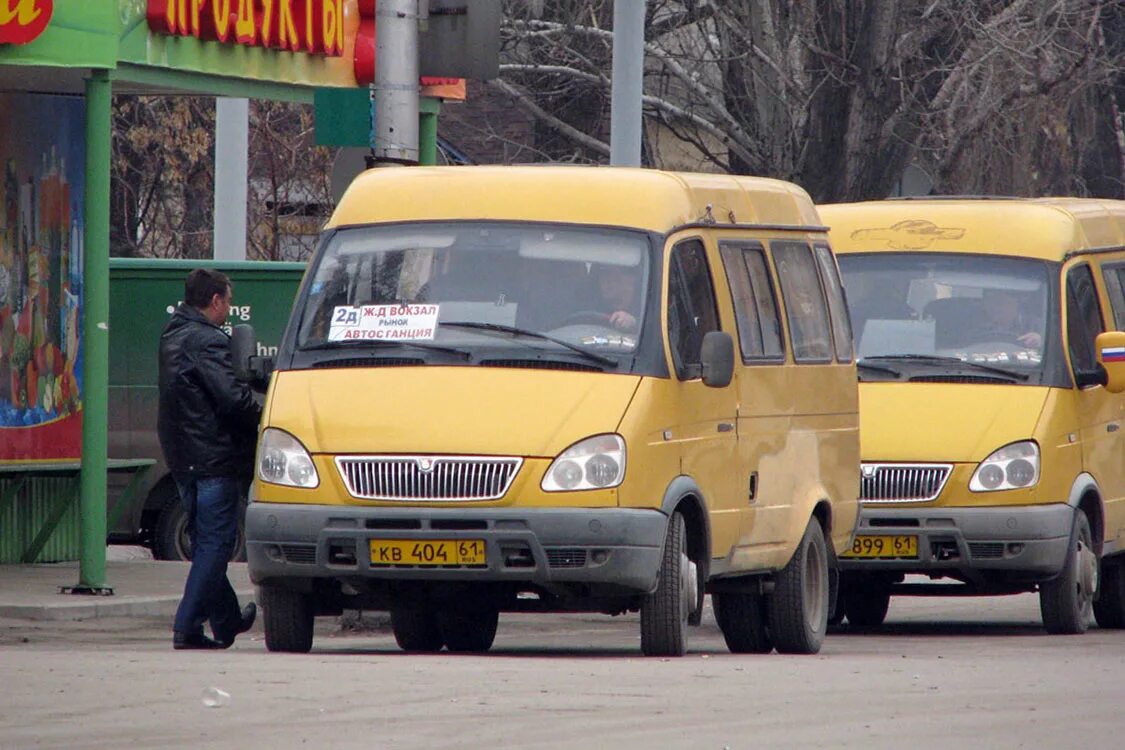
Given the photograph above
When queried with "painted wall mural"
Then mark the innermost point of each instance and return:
(42, 154)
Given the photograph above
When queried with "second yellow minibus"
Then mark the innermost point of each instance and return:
(991, 367)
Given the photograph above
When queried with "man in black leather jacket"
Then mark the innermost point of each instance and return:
(207, 425)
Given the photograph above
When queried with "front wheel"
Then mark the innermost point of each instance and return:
(665, 612)
(1067, 602)
(798, 607)
(865, 601)
(1109, 609)
(288, 620)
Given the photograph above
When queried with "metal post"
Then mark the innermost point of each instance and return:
(628, 82)
(427, 133)
(95, 334)
(232, 154)
(396, 82)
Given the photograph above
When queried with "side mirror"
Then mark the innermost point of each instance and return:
(248, 366)
(717, 358)
(1110, 347)
(243, 346)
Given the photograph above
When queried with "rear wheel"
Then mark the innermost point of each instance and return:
(288, 618)
(742, 620)
(1067, 601)
(1109, 609)
(664, 612)
(798, 607)
(416, 630)
(468, 627)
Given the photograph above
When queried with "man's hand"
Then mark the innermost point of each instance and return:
(1031, 340)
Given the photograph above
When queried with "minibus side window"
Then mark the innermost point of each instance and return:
(805, 308)
(1083, 318)
(691, 306)
(755, 304)
(1115, 284)
(834, 290)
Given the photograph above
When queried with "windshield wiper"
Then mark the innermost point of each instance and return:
(385, 344)
(864, 365)
(937, 359)
(514, 331)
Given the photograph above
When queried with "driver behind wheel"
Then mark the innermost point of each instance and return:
(617, 286)
(1002, 318)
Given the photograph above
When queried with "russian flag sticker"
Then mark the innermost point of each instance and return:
(1113, 354)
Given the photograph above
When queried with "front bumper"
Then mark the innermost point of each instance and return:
(1024, 539)
(617, 546)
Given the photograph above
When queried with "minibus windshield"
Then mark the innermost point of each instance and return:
(950, 311)
(470, 285)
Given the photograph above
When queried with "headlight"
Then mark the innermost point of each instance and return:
(1012, 467)
(592, 464)
(283, 460)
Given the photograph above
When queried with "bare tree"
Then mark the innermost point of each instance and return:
(837, 95)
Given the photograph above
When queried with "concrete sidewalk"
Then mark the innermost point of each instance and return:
(142, 588)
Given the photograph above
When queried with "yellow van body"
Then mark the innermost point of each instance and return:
(738, 488)
(991, 401)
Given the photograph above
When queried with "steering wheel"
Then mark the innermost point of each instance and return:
(1006, 337)
(584, 316)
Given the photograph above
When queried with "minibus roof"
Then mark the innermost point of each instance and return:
(1046, 228)
(601, 196)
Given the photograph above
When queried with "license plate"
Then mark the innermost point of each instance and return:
(427, 552)
(881, 547)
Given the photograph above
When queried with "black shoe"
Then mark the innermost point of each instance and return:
(246, 621)
(249, 614)
(189, 641)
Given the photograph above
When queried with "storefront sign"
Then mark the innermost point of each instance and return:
(312, 26)
(21, 21)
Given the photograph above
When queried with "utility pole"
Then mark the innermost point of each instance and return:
(396, 82)
(628, 83)
(232, 155)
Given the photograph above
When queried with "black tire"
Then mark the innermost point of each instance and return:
(742, 619)
(665, 612)
(468, 628)
(798, 607)
(1109, 609)
(1067, 601)
(416, 630)
(171, 540)
(288, 620)
(865, 603)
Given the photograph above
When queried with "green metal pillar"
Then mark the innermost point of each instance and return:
(427, 131)
(95, 334)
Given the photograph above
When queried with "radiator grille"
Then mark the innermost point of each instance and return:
(902, 483)
(438, 478)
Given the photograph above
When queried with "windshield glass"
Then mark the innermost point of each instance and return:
(981, 310)
(476, 284)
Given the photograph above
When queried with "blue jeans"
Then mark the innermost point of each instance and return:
(211, 504)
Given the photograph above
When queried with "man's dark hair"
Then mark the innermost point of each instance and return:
(202, 285)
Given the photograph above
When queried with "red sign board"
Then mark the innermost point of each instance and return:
(315, 27)
(22, 21)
